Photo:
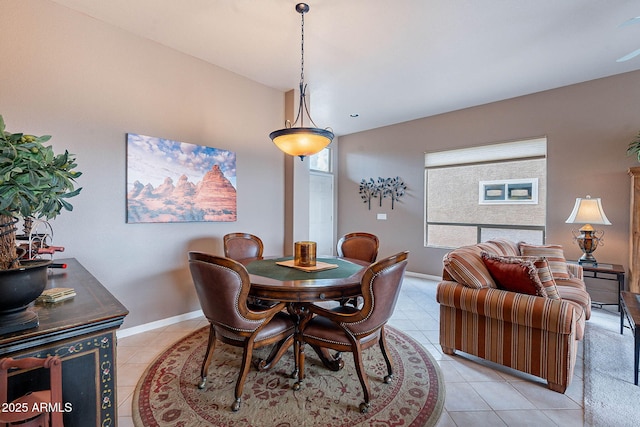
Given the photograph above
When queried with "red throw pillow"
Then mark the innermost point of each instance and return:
(513, 274)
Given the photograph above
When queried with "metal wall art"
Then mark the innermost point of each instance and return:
(393, 188)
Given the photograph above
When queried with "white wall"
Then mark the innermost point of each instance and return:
(87, 84)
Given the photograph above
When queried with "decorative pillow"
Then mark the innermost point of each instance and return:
(466, 267)
(544, 274)
(514, 274)
(507, 247)
(546, 277)
(553, 253)
(490, 248)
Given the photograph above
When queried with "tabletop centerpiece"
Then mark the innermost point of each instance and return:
(34, 183)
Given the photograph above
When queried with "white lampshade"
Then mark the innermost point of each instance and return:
(588, 211)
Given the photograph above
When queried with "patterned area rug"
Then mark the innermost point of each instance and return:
(167, 393)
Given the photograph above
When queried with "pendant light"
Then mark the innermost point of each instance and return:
(301, 141)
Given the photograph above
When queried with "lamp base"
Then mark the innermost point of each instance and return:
(588, 241)
(587, 259)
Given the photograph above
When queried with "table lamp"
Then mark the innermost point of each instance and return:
(588, 211)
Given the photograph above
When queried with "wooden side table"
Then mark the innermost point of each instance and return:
(630, 304)
(606, 272)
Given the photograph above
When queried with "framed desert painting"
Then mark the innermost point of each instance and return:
(172, 181)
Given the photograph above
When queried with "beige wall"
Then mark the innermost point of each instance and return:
(88, 84)
(588, 127)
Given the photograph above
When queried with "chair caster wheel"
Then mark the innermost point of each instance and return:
(388, 379)
(203, 381)
(364, 408)
(296, 386)
(236, 405)
(261, 364)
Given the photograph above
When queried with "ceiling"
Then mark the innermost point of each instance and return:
(390, 61)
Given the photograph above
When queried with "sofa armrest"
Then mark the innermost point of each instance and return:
(575, 270)
(527, 310)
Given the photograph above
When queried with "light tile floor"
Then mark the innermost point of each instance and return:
(479, 393)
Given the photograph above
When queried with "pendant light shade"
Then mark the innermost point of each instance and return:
(300, 140)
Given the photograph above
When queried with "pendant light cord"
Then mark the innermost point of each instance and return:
(302, 105)
(302, 50)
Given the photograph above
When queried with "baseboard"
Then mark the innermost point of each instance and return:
(121, 333)
(424, 276)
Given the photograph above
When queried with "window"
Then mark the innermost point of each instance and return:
(479, 193)
(321, 161)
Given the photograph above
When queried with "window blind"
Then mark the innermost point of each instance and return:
(536, 147)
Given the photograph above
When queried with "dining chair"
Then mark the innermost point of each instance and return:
(222, 286)
(352, 329)
(31, 409)
(359, 245)
(239, 246)
(242, 245)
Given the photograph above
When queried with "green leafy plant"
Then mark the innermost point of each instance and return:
(634, 147)
(34, 183)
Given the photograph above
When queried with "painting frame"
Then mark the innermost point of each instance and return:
(508, 191)
(171, 181)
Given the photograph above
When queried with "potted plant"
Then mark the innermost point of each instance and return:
(634, 147)
(34, 183)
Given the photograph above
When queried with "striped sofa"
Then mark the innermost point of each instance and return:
(537, 334)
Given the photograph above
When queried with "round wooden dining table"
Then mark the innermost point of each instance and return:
(273, 282)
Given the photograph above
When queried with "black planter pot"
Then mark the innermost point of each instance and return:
(19, 287)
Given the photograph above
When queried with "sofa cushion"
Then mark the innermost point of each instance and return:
(514, 274)
(575, 270)
(465, 266)
(574, 290)
(553, 253)
(573, 282)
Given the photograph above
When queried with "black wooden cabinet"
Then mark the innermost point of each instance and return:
(81, 331)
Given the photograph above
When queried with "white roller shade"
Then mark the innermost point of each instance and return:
(488, 153)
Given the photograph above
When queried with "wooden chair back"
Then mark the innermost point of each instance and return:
(359, 245)
(42, 407)
(242, 245)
